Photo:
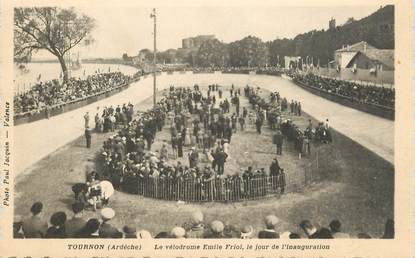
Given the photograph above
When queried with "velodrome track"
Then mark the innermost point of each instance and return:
(36, 140)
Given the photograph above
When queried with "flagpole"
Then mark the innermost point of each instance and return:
(153, 15)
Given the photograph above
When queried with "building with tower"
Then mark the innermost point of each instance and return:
(332, 24)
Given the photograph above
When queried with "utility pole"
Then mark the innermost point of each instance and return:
(153, 15)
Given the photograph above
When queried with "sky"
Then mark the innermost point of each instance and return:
(128, 29)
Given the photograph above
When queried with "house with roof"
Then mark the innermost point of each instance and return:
(364, 56)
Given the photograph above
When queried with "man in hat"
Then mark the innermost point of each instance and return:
(247, 232)
(278, 140)
(179, 145)
(216, 228)
(241, 122)
(106, 230)
(197, 229)
(57, 230)
(164, 152)
(35, 226)
(312, 232)
(193, 158)
(270, 222)
(88, 136)
(274, 168)
(335, 228)
(86, 119)
(91, 229)
(258, 124)
(220, 159)
(76, 223)
(327, 124)
(129, 231)
(178, 232)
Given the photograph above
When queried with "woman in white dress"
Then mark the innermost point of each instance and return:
(187, 138)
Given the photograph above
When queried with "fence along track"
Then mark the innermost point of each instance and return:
(232, 189)
(218, 190)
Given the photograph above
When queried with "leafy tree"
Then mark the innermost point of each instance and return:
(184, 56)
(163, 57)
(280, 48)
(170, 56)
(250, 51)
(212, 53)
(147, 53)
(50, 28)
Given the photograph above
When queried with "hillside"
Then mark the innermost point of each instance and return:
(377, 29)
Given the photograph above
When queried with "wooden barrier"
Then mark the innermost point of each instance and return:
(232, 189)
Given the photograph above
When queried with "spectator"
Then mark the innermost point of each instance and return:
(90, 230)
(220, 159)
(57, 230)
(197, 229)
(35, 226)
(178, 232)
(193, 158)
(129, 232)
(88, 136)
(372, 95)
(270, 222)
(86, 119)
(74, 225)
(247, 232)
(164, 152)
(44, 95)
(216, 230)
(278, 140)
(106, 230)
(335, 228)
(312, 231)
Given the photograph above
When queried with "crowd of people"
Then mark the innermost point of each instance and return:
(203, 124)
(197, 121)
(195, 226)
(273, 110)
(51, 93)
(368, 94)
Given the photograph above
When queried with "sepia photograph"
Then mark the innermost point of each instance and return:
(267, 122)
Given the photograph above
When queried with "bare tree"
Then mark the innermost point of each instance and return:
(50, 28)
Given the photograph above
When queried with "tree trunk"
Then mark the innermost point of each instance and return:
(64, 68)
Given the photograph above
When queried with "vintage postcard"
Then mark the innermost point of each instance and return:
(206, 129)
